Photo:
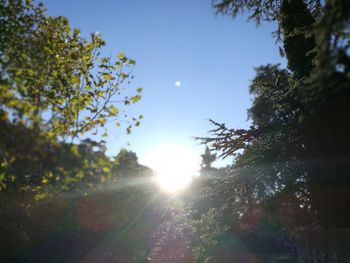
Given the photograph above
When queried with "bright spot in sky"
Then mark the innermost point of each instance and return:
(178, 83)
(174, 166)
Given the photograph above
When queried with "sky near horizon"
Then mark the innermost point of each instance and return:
(192, 64)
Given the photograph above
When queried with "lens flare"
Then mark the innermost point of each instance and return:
(174, 165)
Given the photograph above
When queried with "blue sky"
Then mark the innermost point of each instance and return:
(213, 57)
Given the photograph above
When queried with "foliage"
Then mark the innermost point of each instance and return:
(63, 195)
(55, 85)
(293, 160)
(287, 109)
(126, 165)
(207, 158)
(52, 79)
(289, 185)
(79, 225)
(263, 10)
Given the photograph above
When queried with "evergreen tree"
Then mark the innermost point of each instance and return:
(207, 158)
(295, 156)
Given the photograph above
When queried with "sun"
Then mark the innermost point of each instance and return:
(174, 165)
(178, 83)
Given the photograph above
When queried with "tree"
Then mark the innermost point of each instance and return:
(289, 105)
(296, 153)
(295, 20)
(207, 158)
(54, 86)
(126, 164)
(52, 79)
(126, 158)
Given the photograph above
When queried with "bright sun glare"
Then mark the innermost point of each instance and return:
(174, 166)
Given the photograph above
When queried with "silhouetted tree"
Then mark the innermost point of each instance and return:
(296, 153)
(207, 158)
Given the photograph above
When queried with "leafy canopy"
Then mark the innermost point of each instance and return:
(52, 79)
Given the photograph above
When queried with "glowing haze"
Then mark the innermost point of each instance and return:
(174, 165)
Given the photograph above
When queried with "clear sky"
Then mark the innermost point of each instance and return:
(177, 40)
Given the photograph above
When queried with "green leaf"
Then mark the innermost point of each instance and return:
(107, 76)
(74, 150)
(44, 180)
(113, 110)
(135, 99)
(121, 55)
